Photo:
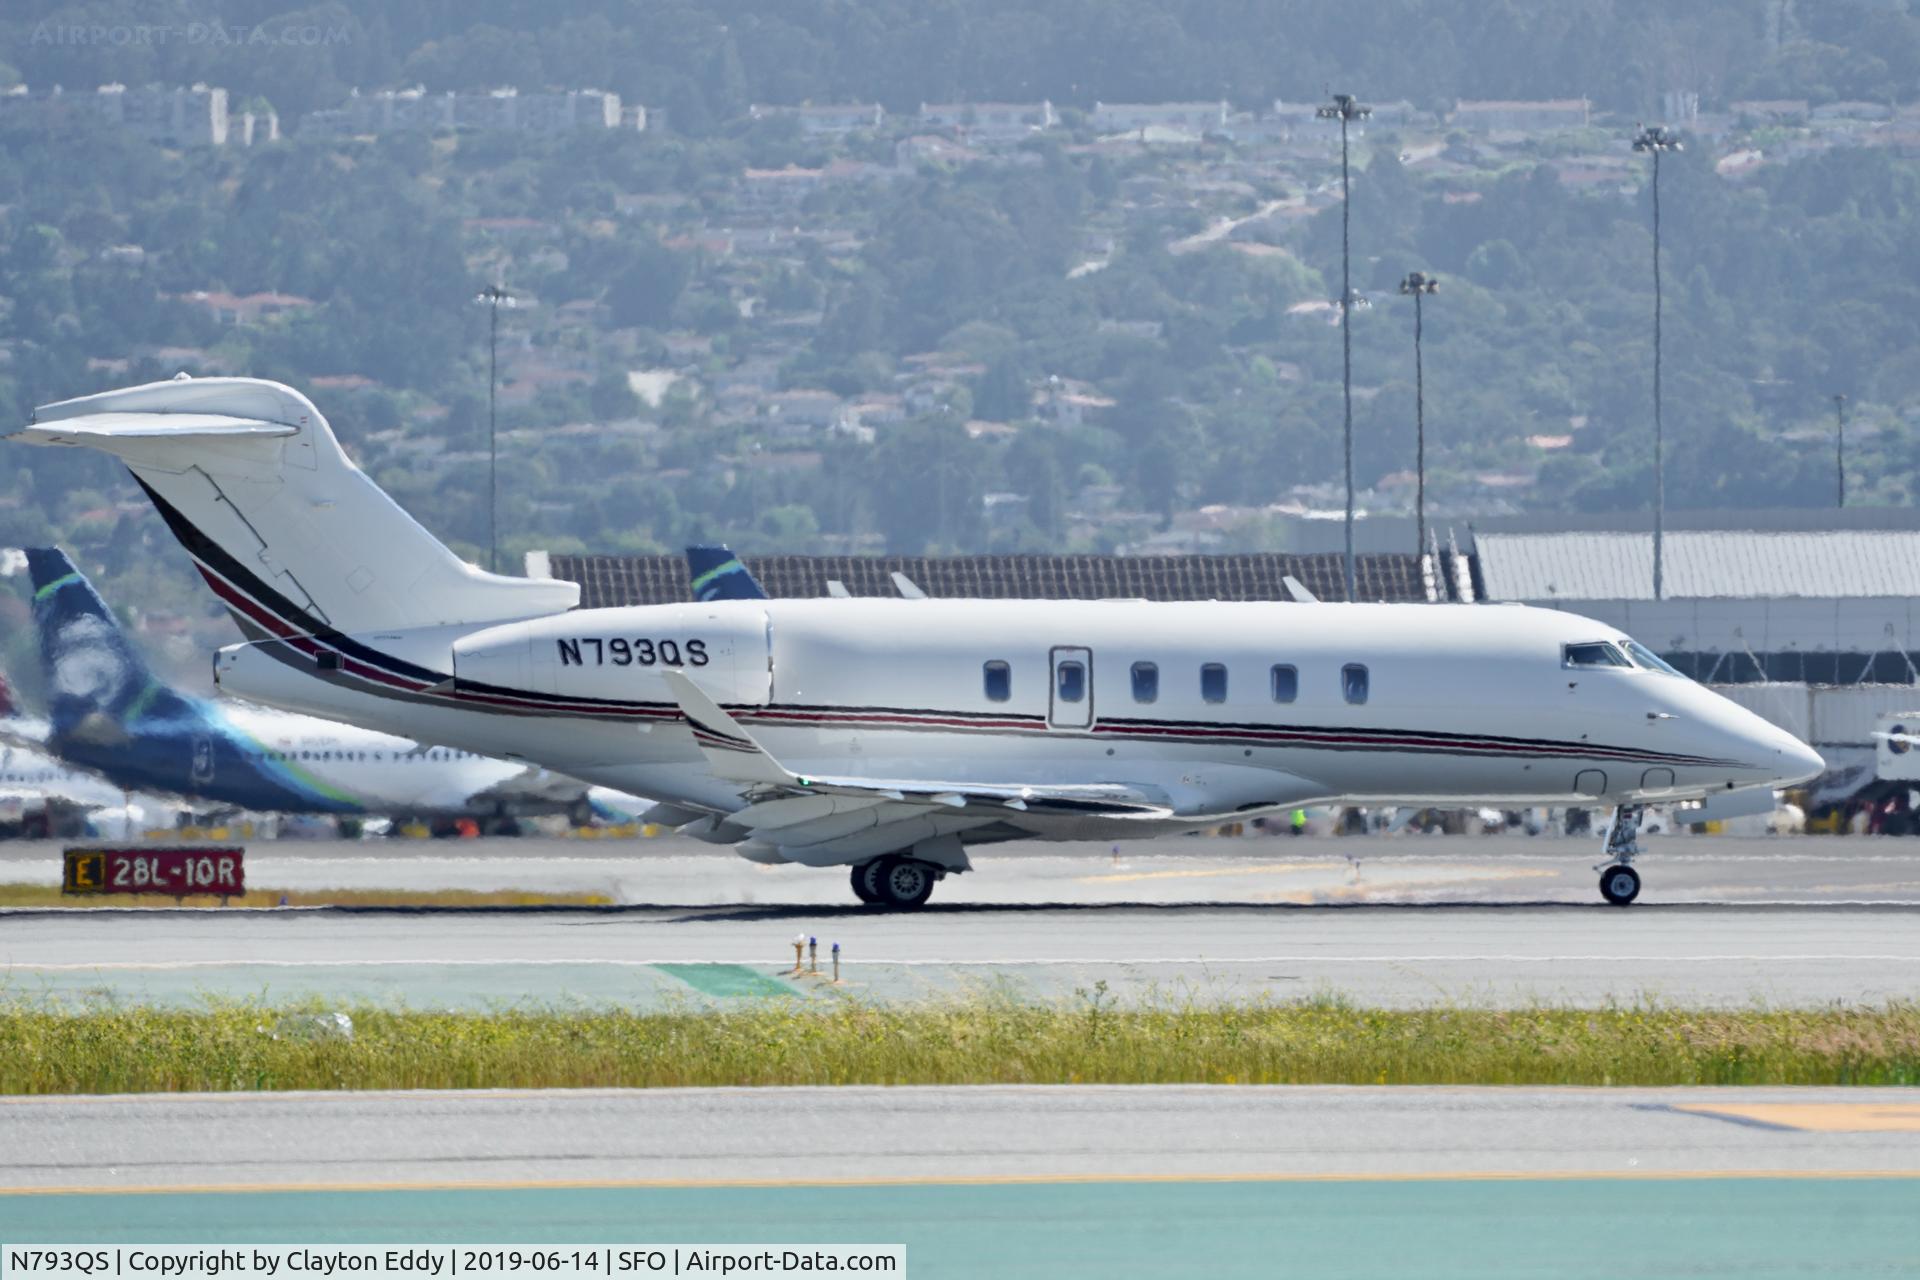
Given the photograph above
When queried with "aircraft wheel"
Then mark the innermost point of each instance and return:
(1619, 885)
(903, 884)
(864, 886)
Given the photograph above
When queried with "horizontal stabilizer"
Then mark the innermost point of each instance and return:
(106, 427)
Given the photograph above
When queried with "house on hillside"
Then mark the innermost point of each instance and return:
(831, 120)
(1507, 116)
(989, 121)
(1198, 119)
(253, 308)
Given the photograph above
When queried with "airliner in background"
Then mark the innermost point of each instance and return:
(41, 796)
(109, 715)
(889, 736)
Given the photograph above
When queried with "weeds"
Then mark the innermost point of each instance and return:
(984, 1040)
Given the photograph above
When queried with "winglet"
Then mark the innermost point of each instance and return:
(730, 749)
(1298, 590)
(837, 589)
(906, 586)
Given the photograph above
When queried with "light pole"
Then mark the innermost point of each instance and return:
(1346, 109)
(495, 297)
(1418, 285)
(1655, 139)
(1840, 449)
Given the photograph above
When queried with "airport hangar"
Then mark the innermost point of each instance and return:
(1810, 618)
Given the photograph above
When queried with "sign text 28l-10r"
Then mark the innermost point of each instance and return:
(176, 873)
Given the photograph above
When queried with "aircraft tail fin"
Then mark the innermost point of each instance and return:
(288, 532)
(95, 678)
(717, 574)
(8, 708)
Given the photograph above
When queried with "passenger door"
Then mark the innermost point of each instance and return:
(1070, 696)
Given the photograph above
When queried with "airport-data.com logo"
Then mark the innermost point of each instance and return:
(213, 35)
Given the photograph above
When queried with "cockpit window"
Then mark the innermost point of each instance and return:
(1647, 658)
(1593, 653)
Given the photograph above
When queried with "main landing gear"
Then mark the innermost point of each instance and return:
(896, 882)
(1619, 882)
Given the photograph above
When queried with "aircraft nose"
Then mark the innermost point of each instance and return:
(1796, 762)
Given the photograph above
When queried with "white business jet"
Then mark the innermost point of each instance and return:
(887, 736)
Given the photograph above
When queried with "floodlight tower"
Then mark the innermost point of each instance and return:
(494, 297)
(1840, 449)
(1418, 285)
(1655, 140)
(1346, 109)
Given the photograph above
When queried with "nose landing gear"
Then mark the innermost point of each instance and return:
(1619, 882)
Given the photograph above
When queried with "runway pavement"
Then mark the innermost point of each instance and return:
(1392, 921)
(1386, 955)
(1058, 1181)
(1268, 869)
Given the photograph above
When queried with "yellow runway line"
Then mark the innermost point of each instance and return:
(991, 1180)
(1817, 1117)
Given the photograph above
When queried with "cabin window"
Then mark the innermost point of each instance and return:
(1593, 653)
(1071, 681)
(1285, 682)
(1353, 683)
(1213, 682)
(1146, 682)
(998, 678)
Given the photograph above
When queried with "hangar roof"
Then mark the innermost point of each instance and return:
(1837, 564)
(625, 580)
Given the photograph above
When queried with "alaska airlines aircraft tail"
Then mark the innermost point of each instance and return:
(96, 682)
(718, 575)
(287, 531)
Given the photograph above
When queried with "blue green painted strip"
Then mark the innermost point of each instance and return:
(727, 980)
(1588, 1229)
(719, 570)
(138, 706)
(56, 584)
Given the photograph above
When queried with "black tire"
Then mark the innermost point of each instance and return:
(1619, 885)
(903, 884)
(863, 885)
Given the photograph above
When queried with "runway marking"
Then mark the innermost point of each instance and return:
(1443, 872)
(986, 1180)
(1324, 957)
(1260, 868)
(1816, 1117)
(728, 980)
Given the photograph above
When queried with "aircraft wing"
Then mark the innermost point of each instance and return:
(737, 756)
(532, 786)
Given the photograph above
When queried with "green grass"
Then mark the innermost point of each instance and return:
(977, 1041)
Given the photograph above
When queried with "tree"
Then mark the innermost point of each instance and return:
(645, 292)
